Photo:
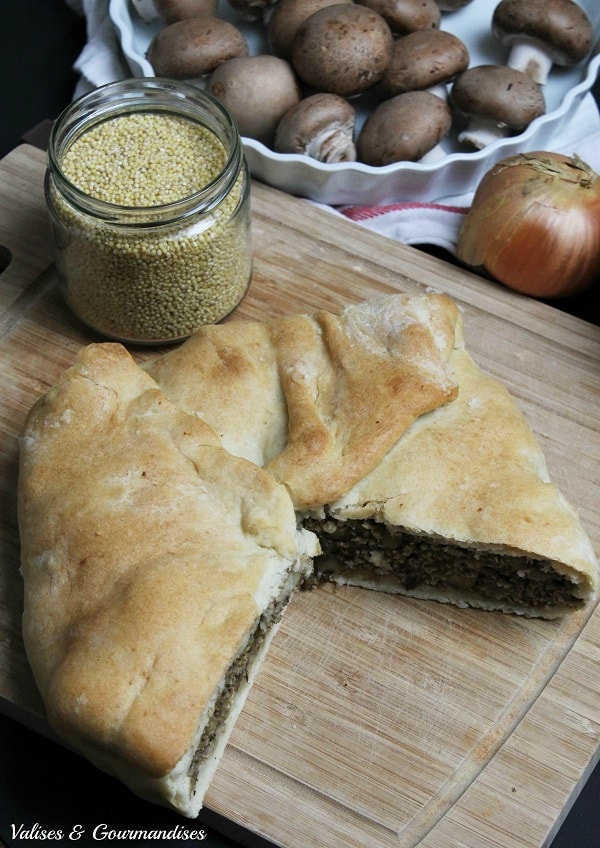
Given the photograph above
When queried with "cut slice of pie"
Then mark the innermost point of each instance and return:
(156, 568)
(462, 510)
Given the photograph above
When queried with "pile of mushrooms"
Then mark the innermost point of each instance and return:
(327, 54)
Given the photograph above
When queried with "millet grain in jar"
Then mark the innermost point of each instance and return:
(151, 264)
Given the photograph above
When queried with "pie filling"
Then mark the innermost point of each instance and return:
(239, 669)
(369, 551)
(366, 550)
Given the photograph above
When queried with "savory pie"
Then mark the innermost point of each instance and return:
(169, 510)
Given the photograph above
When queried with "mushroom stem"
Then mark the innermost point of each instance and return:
(334, 144)
(531, 57)
(480, 132)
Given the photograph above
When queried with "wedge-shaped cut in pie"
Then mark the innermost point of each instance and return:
(156, 567)
(453, 503)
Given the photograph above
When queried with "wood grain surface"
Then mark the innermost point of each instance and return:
(375, 721)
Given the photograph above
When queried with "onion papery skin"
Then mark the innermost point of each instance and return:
(534, 225)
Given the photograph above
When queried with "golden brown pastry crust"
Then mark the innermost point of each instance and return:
(317, 400)
(148, 552)
(227, 374)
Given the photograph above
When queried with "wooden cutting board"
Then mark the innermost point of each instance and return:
(375, 720)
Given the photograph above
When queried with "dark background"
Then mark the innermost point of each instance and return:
(41, 782)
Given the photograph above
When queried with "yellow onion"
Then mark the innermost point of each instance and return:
(534, 225)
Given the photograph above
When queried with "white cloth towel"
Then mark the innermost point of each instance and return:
(102, 61)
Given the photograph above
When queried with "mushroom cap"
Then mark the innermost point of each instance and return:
(194, 47)
(561, 25)
(286, 17)
(499, 94)
(423, 59)
(342, 49)
(257, 91)
(403, 16)
(320, 126)
(403, 128)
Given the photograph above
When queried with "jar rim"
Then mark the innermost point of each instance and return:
(138, 95)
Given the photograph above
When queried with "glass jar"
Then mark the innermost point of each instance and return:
(149, 199)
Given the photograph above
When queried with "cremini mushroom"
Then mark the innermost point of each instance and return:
(403, 16)
(320, 126)
(179, 10)
(407, 127)
(342, 49)
(424, 60)
(541, 33)
(498, 101)
(284, 20)
(190, 49)
(257, 91)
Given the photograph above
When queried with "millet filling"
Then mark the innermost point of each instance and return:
(239, 669)
(367, 548)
